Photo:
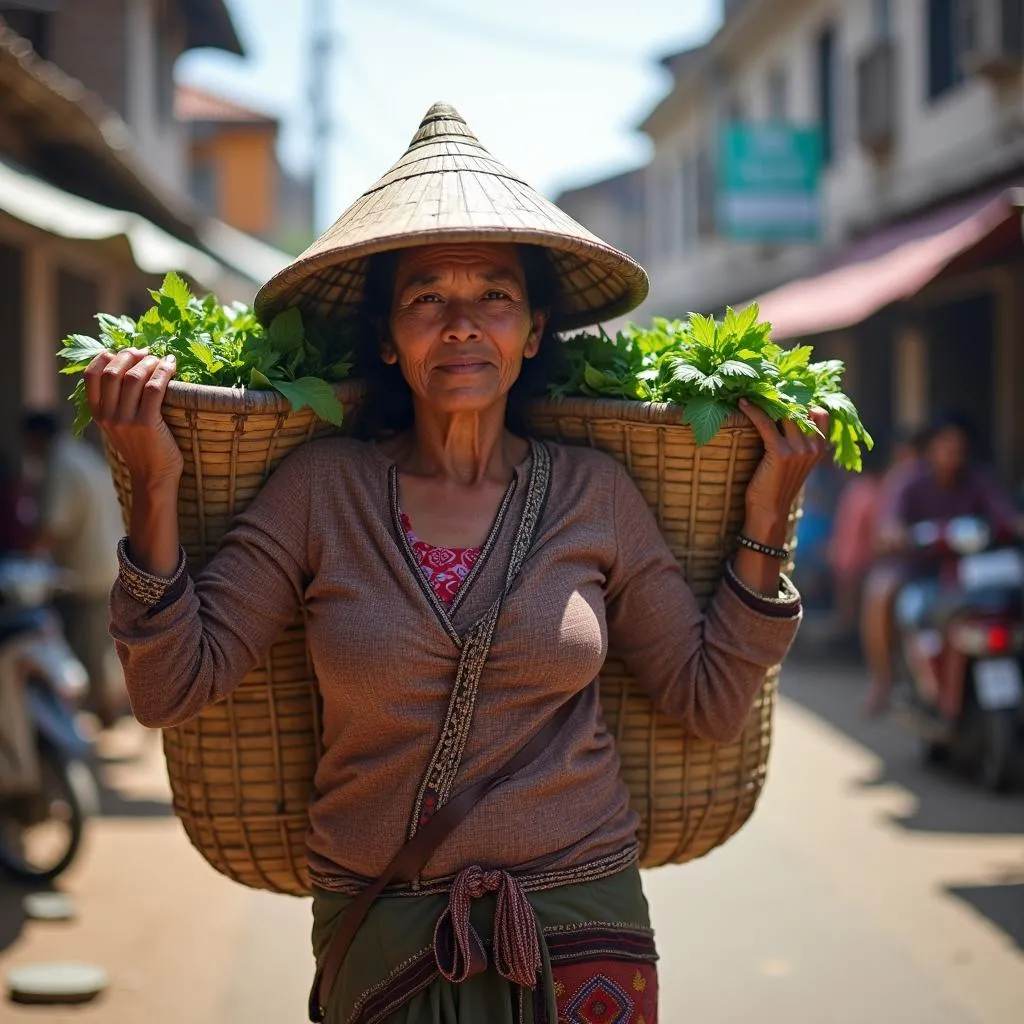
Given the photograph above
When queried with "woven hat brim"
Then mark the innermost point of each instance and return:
(598, 282)
(448, 188)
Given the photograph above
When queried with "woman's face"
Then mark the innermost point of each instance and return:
(461, 324)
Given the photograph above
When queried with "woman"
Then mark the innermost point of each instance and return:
(460, 585)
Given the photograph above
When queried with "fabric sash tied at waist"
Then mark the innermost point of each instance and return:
(458, 949)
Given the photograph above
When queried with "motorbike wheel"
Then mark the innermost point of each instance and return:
(996, 758)
(40, 837)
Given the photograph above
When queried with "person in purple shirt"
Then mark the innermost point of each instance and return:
(942, 485)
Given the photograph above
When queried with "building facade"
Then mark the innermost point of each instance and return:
(915, 274)
(235, 174)
(93, 208)
(124, 51)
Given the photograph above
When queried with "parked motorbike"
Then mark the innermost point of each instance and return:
(47, 788)
(962, 635)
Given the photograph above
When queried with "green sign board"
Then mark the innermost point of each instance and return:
(768, 177)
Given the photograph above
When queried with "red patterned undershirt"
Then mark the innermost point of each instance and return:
(445, 568)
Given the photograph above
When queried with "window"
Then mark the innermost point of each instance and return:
(689, 217)
(882, 16)
(204, 184)
(705, 178)
(826, 67)
(735, 109)
(778, 95)
(953, 30)
(165, 61)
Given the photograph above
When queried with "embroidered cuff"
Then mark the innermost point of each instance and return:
(152, 591)
(785, 605)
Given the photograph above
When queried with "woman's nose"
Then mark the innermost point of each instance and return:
(460, 325)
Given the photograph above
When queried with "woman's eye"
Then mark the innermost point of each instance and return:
(428, 298)
(496, 293)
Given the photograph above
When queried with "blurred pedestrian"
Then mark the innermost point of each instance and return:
(18, 511)
(79, 525)
(854, 540)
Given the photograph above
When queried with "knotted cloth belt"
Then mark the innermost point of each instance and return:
(458, 949)
(456, 944)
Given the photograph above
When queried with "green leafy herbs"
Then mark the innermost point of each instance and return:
(221, 345)
(707, 366)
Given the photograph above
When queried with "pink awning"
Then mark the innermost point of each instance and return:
(893, 264)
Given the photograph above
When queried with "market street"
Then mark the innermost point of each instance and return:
(864, 890)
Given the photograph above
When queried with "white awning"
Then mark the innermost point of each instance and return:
(250, 256)
(155, 251)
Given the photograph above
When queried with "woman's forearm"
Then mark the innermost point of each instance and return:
(757, 571)
(153, 532)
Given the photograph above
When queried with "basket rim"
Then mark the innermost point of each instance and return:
(214, 398)
(628, 410)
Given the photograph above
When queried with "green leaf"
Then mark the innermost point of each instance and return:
(795, 358)
(703, 329)
(737, 368)
(706, 416)
(205, 355)
(80, 350)
(338, 371)
(176, 290)
(687, 373)
(83, 414)
(285, 332)
(744, 320)
(836, 401)
(799, 393)
(259, 381)
(315, 393)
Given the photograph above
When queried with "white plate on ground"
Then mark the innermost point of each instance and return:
(48, 906)
(50, 983)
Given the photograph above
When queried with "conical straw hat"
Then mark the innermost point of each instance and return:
(448, 188)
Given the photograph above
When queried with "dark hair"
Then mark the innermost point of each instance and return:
(949, 421)
(44, 425)
(387, 408)
(914, 437)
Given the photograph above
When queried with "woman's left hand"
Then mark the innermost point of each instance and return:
(789, 457)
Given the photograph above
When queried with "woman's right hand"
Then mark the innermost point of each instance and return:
(126, 393)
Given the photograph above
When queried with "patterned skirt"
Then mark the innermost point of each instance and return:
(596, 947)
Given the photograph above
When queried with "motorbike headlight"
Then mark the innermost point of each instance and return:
(967, 535)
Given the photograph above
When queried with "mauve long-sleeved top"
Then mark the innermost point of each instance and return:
(323, 534)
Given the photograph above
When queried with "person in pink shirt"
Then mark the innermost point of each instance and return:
(853, 548)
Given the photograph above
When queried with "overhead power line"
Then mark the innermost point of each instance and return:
(503, 34)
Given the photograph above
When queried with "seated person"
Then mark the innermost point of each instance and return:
(944, 484)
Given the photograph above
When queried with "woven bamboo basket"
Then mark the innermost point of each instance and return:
(691, 795)
(242, 772)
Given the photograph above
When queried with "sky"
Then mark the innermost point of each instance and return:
(554, 88)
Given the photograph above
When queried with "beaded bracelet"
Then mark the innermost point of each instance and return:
(787, 597)
(142, 586)
(781, 554)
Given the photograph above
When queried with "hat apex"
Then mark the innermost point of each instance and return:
(442, 120)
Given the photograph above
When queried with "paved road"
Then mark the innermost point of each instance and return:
(864, 890)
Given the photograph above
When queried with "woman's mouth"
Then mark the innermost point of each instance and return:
(463, 368)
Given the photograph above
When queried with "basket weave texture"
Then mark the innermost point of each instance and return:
(691, 795)
(241, 773)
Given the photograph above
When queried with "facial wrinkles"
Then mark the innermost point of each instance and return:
(460, 270)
